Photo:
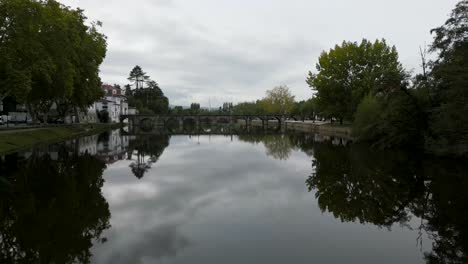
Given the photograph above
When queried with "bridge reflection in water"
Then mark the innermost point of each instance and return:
(205, 124)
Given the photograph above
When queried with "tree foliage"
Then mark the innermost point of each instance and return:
(138, 77)
(350, 71)
(194, 108)
(305, 108)
(49, 55)
(279, 100)
(149, 99)
(448, 116)
(389, 122)
(365, 82)
(248, 108)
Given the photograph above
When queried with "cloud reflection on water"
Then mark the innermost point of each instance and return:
(209, 197)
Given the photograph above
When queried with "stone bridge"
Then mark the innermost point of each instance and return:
(151, 121)
(225, 130)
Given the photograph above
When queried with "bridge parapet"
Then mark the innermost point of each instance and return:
(162, 120)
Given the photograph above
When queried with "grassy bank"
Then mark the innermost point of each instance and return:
(14, 140)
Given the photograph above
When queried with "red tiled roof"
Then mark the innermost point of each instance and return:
(107, 87)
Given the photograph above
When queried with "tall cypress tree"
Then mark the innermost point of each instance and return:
(138, 77)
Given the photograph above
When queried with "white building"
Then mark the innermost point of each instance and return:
(114, 102)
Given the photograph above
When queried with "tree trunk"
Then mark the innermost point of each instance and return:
(77, 116)
(341, 121)
(45, 115)
(32, 113)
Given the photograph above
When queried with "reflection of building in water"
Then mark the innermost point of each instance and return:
(109, 147)
(54, 151)
(112, 146)
(88, 145)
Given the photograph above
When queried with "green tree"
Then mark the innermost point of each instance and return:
(92, 51)
(391, 121)
(178, 110)
(194, 108)
(138, 77)
(304, 109)
(149, 99)
(19, 46)
(103, 116)
(448, 121)
(227, 108)
(350, 71)
(279, 100)
(248, 108)
(366, 118)
(49, 55)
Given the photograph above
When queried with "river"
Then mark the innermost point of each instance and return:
(247, 198)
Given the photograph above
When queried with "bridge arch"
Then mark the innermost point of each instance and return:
(223, 120)
(171, 122)
(205, 119)
(189, 122)
(146, 124)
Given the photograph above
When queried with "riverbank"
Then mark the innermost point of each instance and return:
(17, 139)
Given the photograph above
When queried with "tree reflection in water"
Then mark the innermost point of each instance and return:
(52, 209)
(445, 207)
(147, 150)
(383, 188)
(277, 146)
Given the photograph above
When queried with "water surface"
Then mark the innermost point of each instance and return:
(251, 198)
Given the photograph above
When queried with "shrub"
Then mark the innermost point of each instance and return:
(103, 116)
(366, 119)
(394, 121)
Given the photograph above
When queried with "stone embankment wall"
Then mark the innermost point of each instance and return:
(321, 128)
(312, 127)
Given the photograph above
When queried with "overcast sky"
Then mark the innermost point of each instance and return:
(234, 50)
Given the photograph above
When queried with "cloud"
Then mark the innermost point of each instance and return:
(152, 219)
(162, 242)
(216, 51)
(222, 69)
